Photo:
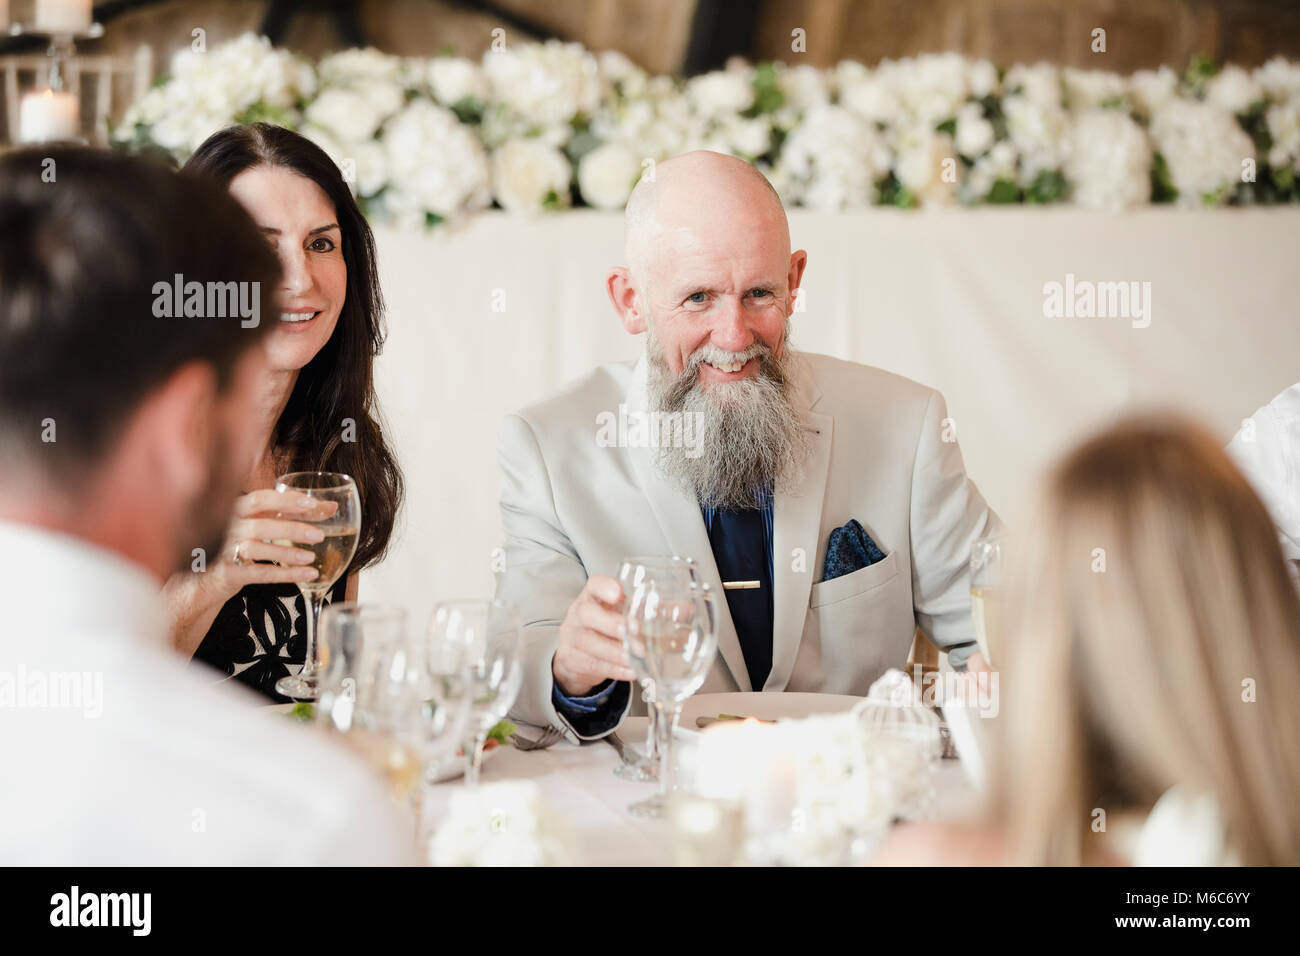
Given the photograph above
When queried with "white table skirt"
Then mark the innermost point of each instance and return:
(953, 299)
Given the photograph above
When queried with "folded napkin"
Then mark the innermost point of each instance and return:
(848, 549)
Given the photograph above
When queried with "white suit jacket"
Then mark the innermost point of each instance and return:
(883, 452)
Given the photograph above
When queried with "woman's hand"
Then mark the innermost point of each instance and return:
(265, 527)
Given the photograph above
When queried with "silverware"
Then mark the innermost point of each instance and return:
(549, 736)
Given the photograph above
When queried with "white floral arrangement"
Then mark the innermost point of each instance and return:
(544, 126)
(501, 824)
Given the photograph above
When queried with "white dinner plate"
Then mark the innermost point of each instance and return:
(773, 706)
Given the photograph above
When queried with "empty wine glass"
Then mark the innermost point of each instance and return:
(986, 595)
(670, 632)
(337, 512)
(632, 571)
(482, 640)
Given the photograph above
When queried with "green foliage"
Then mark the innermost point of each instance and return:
(1049, 186)
(1163, 189)
(768, 96)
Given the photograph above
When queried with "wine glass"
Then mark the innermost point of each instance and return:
(986, 595)
(483, 640)
(670, 632)
(632, 571)
(336, 511)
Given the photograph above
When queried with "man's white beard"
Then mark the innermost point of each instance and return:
(753, 437)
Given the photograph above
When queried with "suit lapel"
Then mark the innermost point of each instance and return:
(796, 524)
(683, 527)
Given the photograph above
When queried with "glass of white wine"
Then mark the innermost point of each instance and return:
(337, 513)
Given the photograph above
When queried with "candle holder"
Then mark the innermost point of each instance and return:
(62, 48)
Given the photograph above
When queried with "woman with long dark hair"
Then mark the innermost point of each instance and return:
(244, 614)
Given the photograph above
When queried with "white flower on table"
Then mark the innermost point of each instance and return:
(1280, 79)
(1085, 89)
(525, 172)
(1108, 161)
(1151, 90)
(607, 174)
(831, 161)
(925, 162)
(501, 824)
(620, 74)
(1037, 129)
(1039, 83)
(999, 163)
(546, 84)
(1283, 122)
(721, 94)
(803, 86)
(975, 134)
(354, 115)
(747, 137)
(435, 165)
(1234, 90)
(1204, 148)
(454, 78)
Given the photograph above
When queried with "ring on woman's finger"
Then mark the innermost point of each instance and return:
(237, 557)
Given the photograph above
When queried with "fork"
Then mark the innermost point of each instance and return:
(549, 736)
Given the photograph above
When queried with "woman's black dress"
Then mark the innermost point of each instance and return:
(260, 635)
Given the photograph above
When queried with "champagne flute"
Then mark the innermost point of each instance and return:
(484, 641)
(986, 595)
(337, 512)
(670, 632)
(632, 571)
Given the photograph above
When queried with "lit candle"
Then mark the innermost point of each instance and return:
(62, 16)
(49, 116)
(750, 763)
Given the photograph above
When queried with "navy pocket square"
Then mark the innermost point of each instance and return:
(850, 549)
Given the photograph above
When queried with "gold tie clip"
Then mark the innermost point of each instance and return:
(741, 585)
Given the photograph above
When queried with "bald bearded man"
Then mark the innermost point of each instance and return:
(831, 485)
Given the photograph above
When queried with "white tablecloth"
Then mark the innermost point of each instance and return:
(953, 299)
(578, 784)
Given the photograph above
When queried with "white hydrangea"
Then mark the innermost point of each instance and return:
(354, 115)
(931, 87)
(501, 824)
(1233, 89)
(1039, 83)
(1037, 128)
(1283, 122)
(1204, 148)
(525, 172)
(723, 93)
(545, 84)
(1151, 90)
(1108, 161)
(975, 134)
(1280, 79)
(748, 138)
(360, 68)
(803, 86)
(925, 162)
(454, 78)
(832, 160)
(1085, 89)
(607, 174)
(616, 70)
(870, 95)
(436, 165)
(1000, 162)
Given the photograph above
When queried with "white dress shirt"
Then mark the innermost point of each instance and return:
(115, 753)
(1268, 451)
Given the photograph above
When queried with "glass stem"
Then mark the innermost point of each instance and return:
(652, 725)
(315, 602)
(668, 714)
(474, 758)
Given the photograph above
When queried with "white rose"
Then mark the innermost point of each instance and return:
(525, 171)
(1283, 122)
(454, 78)
(1280, 79)
(1233, 89)
(803, 86)
(435, 165)
(832, 160)
(544, 83)
(347, 114)
(1108, 161)
(1092, 88)
(1152, 90)
(1204, 148)
(974, 133)
(607, 174)
(925, 162)
(870, 95)
(751, 138)
(1040, 84)
(1037, 129)
(720, 94)
(982, 78)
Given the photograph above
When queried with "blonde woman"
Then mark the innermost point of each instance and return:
(1150, 692)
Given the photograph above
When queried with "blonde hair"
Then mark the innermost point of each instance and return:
(1153, 639)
